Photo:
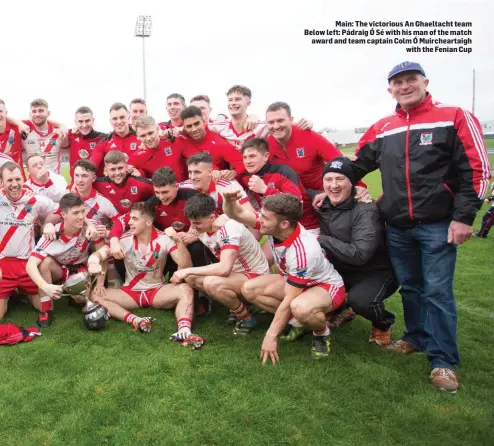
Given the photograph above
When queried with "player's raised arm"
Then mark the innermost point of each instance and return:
(235, 210)
(181, 255)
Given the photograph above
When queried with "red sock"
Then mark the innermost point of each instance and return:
(130, 318)
(184, 323)
(242, 312)
(46, 304)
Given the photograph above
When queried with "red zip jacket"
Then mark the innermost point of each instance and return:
(433, 163)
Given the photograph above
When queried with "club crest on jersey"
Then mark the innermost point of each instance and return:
(28, 208)
(10, 140)
(133, 190)
(426, 139)
(53, 142)
(92, 145)
(271, 185)
(300, 152)
(125, 203)
(336, 165)
(168, 151)
(225, 240)
(133, 146)
(156, 254)
(83, 153)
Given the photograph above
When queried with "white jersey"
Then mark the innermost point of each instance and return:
(225, 129)
(17, 223)
(233, 235)
(54, 189)
(217, 190)
(48, 144)
(65, 250)
(98, 208)
(5, 158)
(302, 260)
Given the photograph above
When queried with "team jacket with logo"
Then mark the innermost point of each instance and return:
(17, 223)
(144, 271)
(216, 190)
(433, 163)
(49, 144)
(220, 150)
(65, 250)
(131, 190)
(166, 215)
(225, 129)
(149, 161)
(233, 235)
(168, 125)
(281, 178)
(10, 143)
(128, 144)
(54, 189)
(81, 146)
(302, 261)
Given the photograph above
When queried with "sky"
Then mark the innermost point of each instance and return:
(85, 53)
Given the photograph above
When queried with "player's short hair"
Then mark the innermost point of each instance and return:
(86, 165)
(144, 208)
(276, 106)
(144, 121)
(33, 155)
(242, 89)
(2, 102)
(115, 157)
(259, 144)
(138, 101)
(70, 200)
(285, 206)
(201, 97)
(176, 96)
(164, 176)
(190, 112)
(38, 103)
(201, 157)
(10, 166)
(199, 206)
(83, 110)
(118, 106)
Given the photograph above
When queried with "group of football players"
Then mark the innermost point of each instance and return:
(189, 199)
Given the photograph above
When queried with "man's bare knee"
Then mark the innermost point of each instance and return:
(301, 312)
(249, 291)
(211, 284)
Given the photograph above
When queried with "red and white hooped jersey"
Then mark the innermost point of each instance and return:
(302, 261)
(49, 144)
(143, 268)
(217, 190)
(17, 223)
(98, 208)
(65, 250)
(54, 189)
(233, 235)
(225, 129)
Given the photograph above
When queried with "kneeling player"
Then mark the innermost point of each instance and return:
(145, 250)
(309, 286)
(240, 259)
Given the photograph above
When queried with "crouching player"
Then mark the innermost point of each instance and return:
(239, 255)
(53, 261)
(309, 286)
(145, 251)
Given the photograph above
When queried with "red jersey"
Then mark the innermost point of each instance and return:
(11, 144)
(81, 146)
(122, 196)
(128, 144)
(149, 161)
(306, 153)
(166, 214)
(220, 150)
(281, 178)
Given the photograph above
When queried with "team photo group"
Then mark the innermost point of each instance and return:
(259, 214)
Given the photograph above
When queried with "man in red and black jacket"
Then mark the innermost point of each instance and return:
(435, 174)
(263, 179)
(83, 139)
(123, 137)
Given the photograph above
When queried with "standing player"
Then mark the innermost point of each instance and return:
(43, 137)
(19, 213)
(123, 138)
(82, 140)
(157, 152)
(203, 102)
(54, 260)
(43, 182)
(10, 137)
(137, 109)
(239, 256)
(119, 187)
(175, 103)
(308, 288)
(145, 250)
